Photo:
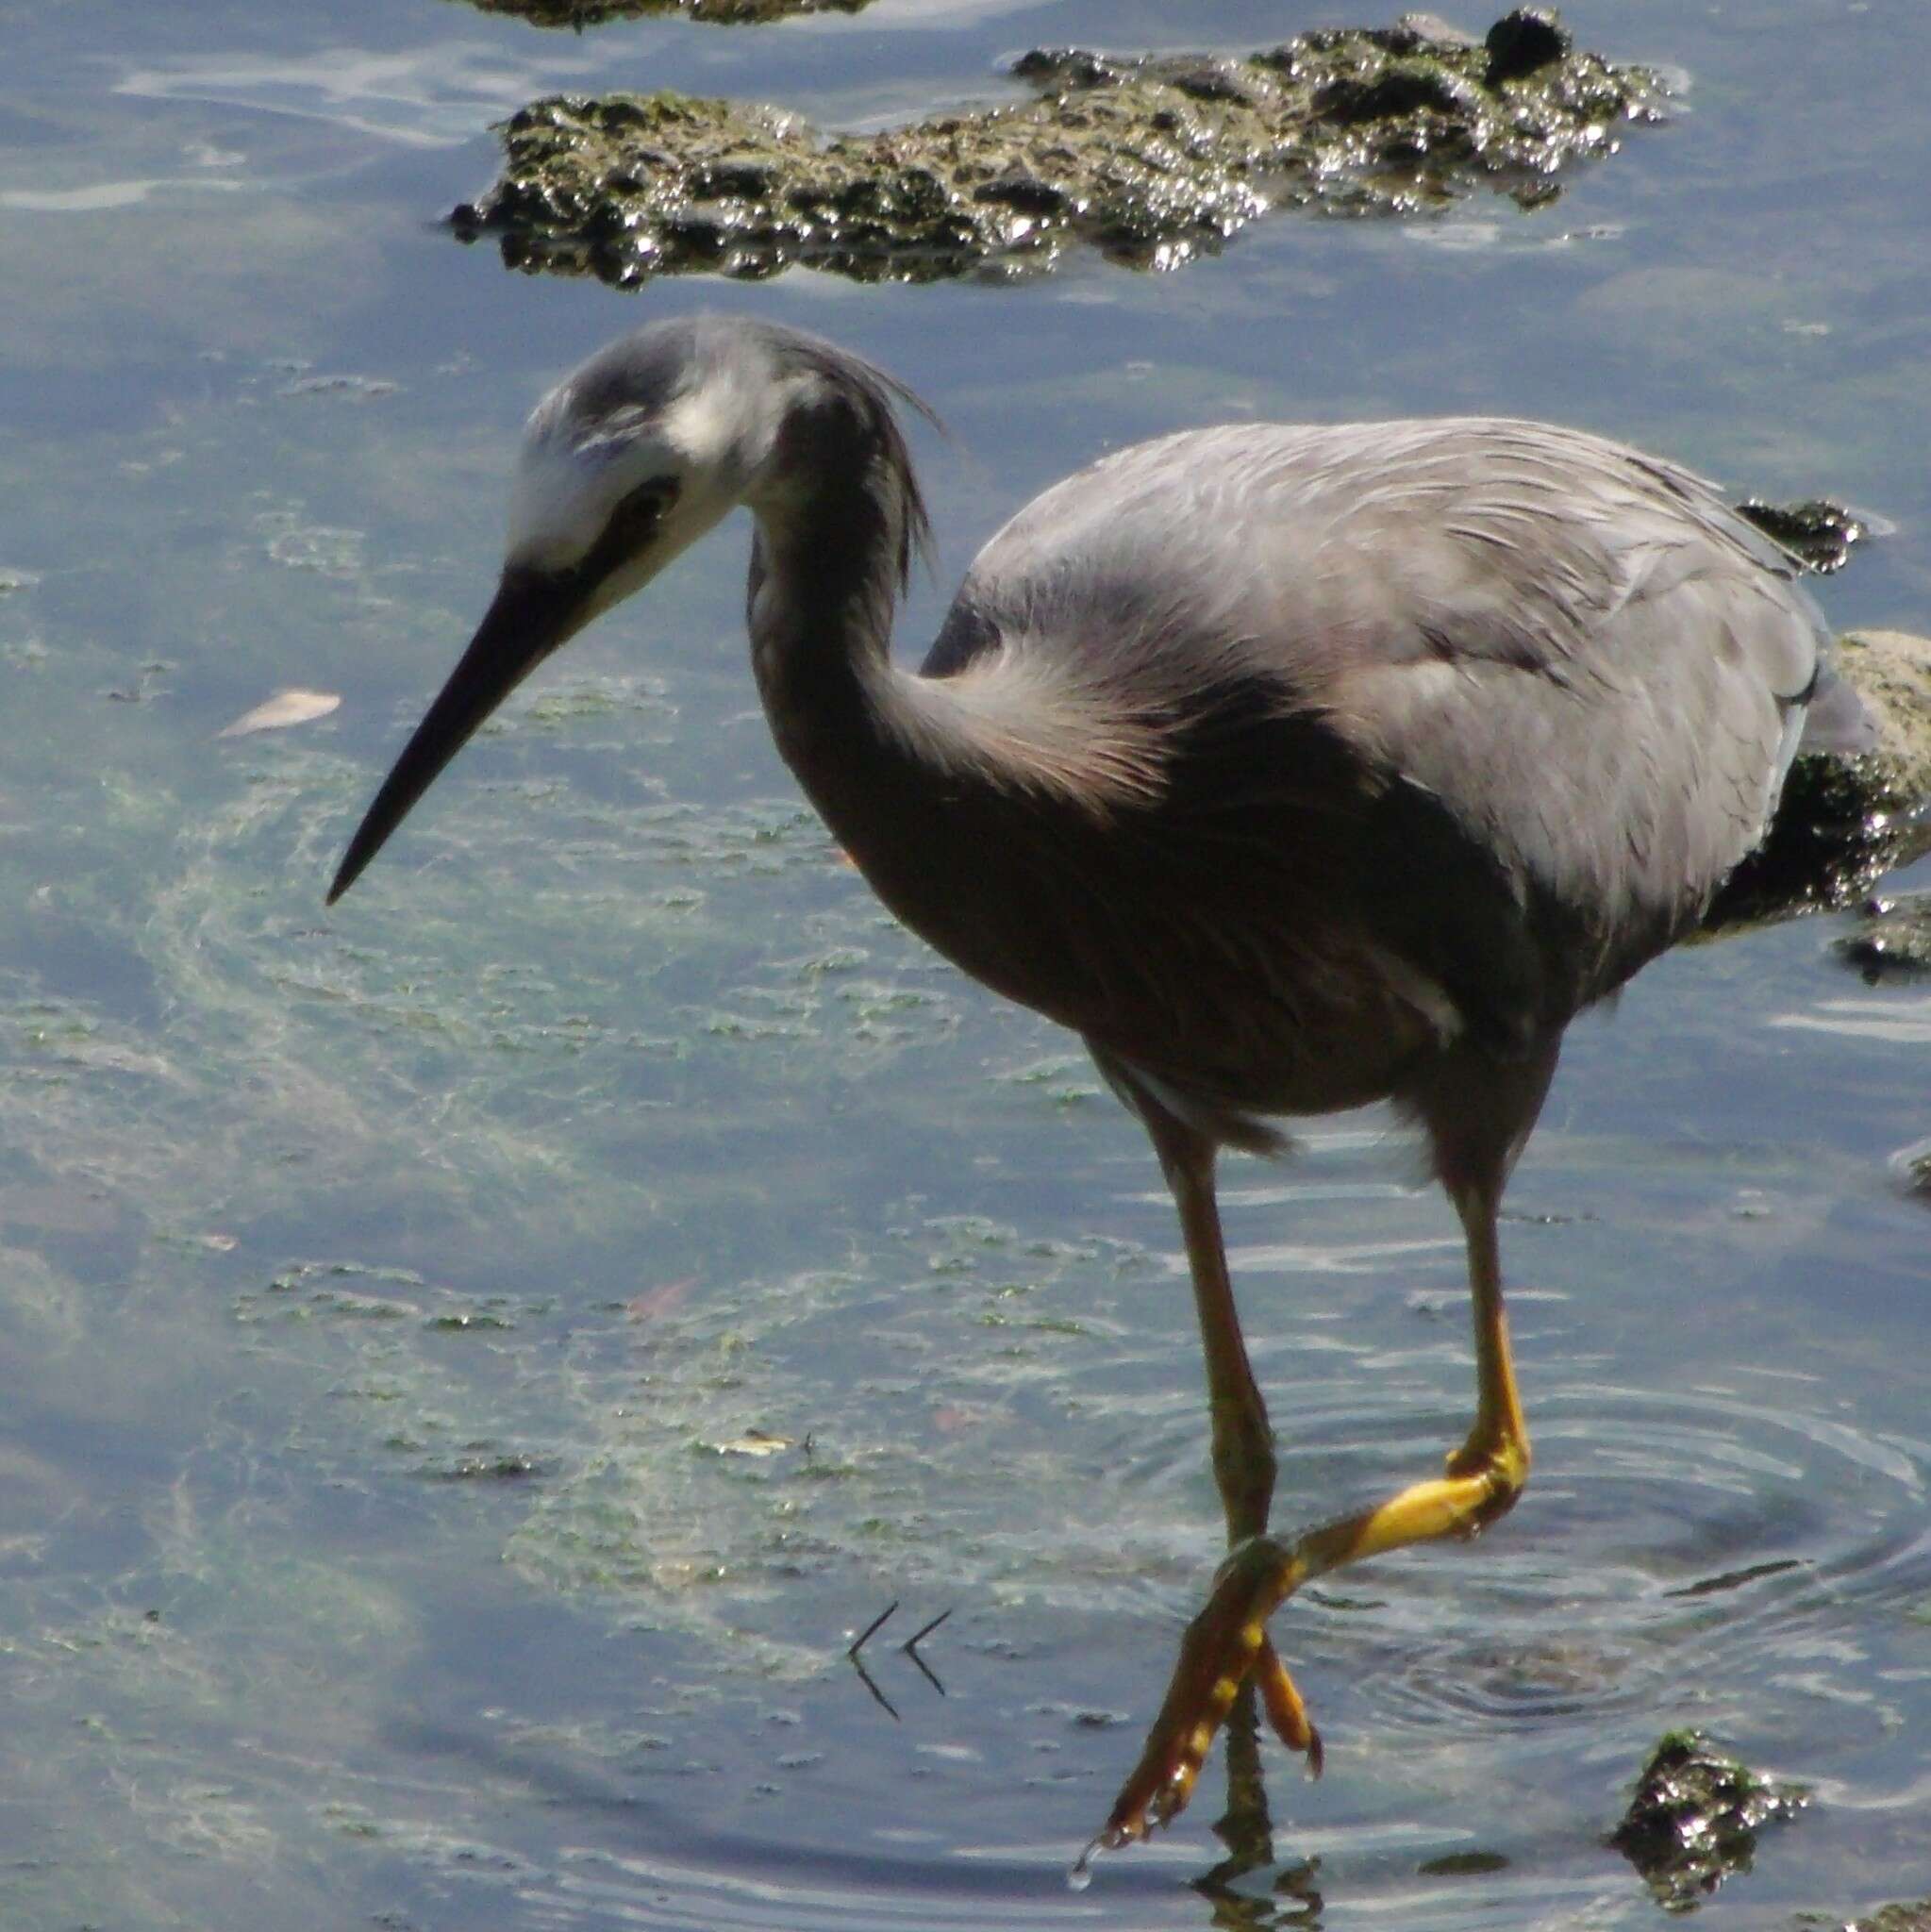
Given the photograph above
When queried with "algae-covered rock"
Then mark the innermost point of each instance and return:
(1898, 1918)
(1844, 822)
(582, 13)
(1912, 1166)
(1820, 532)
(1893, 941)
(1152, 159)
(1694, 1819)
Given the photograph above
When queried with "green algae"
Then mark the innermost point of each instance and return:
(1694, 1819)
(1843, 822)
(1152, 159)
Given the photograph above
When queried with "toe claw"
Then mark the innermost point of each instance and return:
(1223, 1646)
(1284, 1710)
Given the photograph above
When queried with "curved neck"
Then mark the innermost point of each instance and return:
(825, 575)
(967, 800)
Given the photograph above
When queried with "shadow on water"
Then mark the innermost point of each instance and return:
(470, 1365)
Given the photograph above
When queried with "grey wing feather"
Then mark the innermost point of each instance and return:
(1579, 654)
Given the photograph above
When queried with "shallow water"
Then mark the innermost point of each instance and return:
(471, 1360)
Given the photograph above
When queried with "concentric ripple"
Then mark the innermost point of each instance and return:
(1672, 1548)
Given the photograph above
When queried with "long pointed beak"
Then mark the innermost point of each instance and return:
(529, 618)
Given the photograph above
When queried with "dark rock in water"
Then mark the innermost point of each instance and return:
(1523, 42)
(1694, 1819)
(1822, 533)
(1913, 1166)
(1152, 159)
(1843, 822)
(1395, 91)
(1901, 1918)
(1894, 941)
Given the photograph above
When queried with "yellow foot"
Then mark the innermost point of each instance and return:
(1223, 1646)
(1227, 1641)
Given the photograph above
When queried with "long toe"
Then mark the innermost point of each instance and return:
(1285, 1712)
(1222, 1645)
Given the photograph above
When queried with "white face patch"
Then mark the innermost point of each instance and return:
(573, 472)
(576, 470)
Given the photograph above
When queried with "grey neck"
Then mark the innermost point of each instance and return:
(822, 596)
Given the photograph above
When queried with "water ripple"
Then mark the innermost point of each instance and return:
(1663, 1537)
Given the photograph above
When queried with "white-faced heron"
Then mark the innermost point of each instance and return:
(1292, 767)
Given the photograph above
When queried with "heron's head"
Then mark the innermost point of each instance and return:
(630, 460)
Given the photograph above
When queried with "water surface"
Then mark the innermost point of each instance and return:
(471, 1360)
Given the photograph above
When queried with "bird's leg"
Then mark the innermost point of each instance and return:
(1245, 1827)
(1227, 1643)
(1243, 1459)
(1498, 1439)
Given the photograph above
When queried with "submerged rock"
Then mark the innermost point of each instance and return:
(1899, 1918)
(1843, 822)
(1820, 532)
(582, 13)
(1894, 941)
(1694, 1819)
(1152, 159)
(1912, 1166)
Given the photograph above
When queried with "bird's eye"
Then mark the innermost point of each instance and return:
(645, 506)
(631, 525)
